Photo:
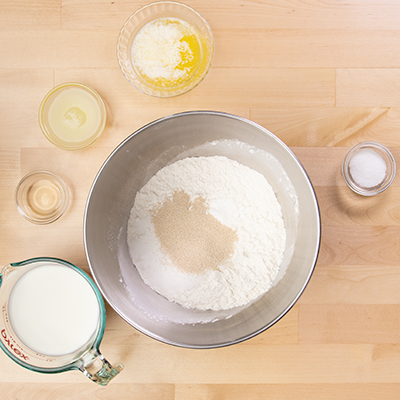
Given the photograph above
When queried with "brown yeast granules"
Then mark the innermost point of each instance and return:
(193, 239)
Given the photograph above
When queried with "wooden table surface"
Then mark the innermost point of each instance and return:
(322, 76)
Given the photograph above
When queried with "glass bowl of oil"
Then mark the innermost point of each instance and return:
(41, 197)
(72, 116)
(165, 49)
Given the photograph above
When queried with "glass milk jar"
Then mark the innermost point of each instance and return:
(53, 319)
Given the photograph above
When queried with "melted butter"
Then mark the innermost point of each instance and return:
(167, 53)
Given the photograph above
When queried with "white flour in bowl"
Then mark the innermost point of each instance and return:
(207, 233)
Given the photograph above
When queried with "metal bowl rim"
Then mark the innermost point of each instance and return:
(278, 317)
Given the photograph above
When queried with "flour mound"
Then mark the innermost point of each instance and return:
(239, 198)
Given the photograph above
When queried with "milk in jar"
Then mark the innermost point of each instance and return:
(54, 310)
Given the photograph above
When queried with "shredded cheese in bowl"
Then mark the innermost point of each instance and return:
(167, 52)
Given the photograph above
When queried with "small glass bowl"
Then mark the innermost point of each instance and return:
(41, 197)
(151, 12)
(375, 150)
(73, 133)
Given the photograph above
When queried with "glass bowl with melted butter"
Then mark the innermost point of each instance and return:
(165, 49)
(72, 116)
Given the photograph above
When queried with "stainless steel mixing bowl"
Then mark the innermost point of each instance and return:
(134, 162)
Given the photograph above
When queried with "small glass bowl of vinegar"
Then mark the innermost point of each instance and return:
(41, 197)
(165, 49)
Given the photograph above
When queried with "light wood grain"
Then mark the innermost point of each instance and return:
(301, 48)
(344, 323)
(267, 14)
(322, 76)
(349, 284)
(288, 391)
(341, 208)
(367, 87)
(27, 15)
(330, 127)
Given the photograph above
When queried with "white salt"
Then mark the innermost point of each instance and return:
(367, 168)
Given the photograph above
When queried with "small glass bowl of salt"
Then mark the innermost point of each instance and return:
(368, 168)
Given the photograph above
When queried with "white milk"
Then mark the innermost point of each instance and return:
(53, 310)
